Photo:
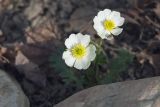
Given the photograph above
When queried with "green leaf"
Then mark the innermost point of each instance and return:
(101, 59)
(66, 73)
(118, 65)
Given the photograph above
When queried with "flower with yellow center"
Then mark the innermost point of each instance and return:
(80, 52)
(107, 23)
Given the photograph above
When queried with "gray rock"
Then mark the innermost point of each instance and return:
(11, 94)
(137, 93)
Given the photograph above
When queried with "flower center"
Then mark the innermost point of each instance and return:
(78, 51)
(109, 25)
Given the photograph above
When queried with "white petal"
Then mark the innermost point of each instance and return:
(86, 61)
(119, 21)
(114, 14)
(71, 41)
(102, 15)
(91, 50)
(83, 39)
(96, 20)
(69, 60)
(117, 31)
(100, 30)
(104, 34)
(82, 64)
(87, 65)
(98, 27)
(66, 54)
(110, 37)
(78, 64)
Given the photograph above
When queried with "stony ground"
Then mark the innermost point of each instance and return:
(121, 94)
(31, 30)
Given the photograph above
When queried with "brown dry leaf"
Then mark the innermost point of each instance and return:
(158, 36)
(3, 50)
(4, 4)
(2, 38)
(1, 33)
(156, 61)
(143, 56)
(37, 53)
(42, 32)
(157, 9)
(34, 9)
(30, 69)
(81, 20)
(140, 3)
(154, 52)
(130, 19)
(134, 13)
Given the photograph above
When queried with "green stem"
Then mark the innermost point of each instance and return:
(99, 49)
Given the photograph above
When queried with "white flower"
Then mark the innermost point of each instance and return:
(107, 23)
(80, 52)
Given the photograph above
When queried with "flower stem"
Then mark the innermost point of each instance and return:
(99, 50)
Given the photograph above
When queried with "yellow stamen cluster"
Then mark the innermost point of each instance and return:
(78, 51)
(109, 25)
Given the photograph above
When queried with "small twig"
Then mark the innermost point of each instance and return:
(86, 27)
(4, 58)
(155, 24)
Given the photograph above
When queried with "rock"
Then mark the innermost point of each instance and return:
(157, 102)
(11, 94)
(137, 93)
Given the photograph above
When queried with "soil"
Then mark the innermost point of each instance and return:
(31, 30)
